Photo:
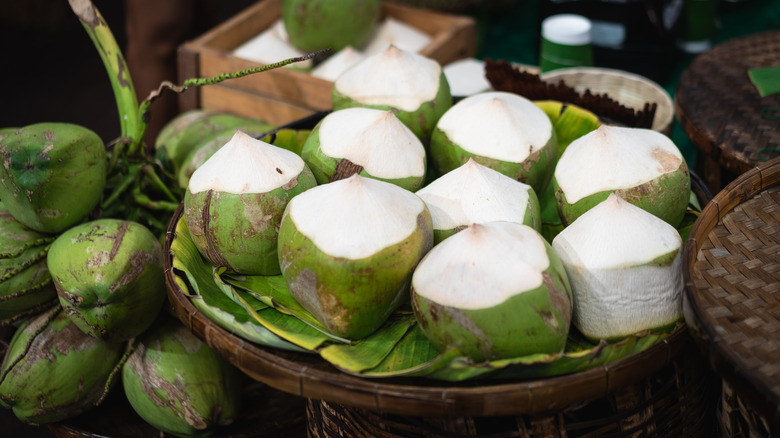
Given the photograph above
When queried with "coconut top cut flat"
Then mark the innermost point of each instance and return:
(246, 165)
(614, 157)
(474, 193)
(496, 124)
(616, 234)
(374, 139)
(355, 217)
(486, 264)
(394, 77)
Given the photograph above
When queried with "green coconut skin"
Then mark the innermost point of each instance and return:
(328, 169)
(536, 170)
(63, 375)
(244, 239)
(351, 298)
(109, 277)
(421, 121)
(52, 174)
(178, 384)
(535, 321)
(318, 24)
(666, 197)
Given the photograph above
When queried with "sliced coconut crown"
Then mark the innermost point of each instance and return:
(246, 165)
(393, 77)
(613, 157)
(375, 140)
(474, 193)
(482, 266)
(331, 68)
(355, 217)
(499, 125)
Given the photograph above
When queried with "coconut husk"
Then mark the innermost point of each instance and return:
(503, 76)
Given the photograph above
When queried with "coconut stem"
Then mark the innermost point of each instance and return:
(16, 252)
(55, 311)
(115, 372)
(26, 264)
(28, 290)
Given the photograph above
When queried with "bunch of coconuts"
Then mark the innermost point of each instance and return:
(400, 198)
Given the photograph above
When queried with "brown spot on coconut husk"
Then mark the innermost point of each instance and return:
(345, 169)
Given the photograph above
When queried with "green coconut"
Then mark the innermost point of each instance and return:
(473, 193)
(643, 166)
(371, 142)
(318, 24)
(408, 84)
(493, 291)
(234, 203)
(63, 374)
(348, 248)
(53, 174)
(109, 277)
(625, 263)
(500, 130)
(180, 385)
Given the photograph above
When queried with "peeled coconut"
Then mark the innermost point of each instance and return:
(348, 248)
(397, 33)
(641, 165)
(234, 203)
(412, 86)
(474, 193)
(332, 67)
(494, 290)
(625, 268)
(500, 130)
(318, 24)
(272, 46)
(368, 141)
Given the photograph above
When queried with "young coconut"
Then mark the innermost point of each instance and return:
(348, 248)
(641, 165)
(368, 141)
(625, 268)
(412, 86)
(336, 64)
(473, 193)
(494, 290)
(109, 277)
(234, 203)
(500, 130)
(318, 24)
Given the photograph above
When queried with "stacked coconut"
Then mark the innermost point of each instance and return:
(401, 198)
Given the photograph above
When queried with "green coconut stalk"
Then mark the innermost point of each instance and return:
(53, 371)
(494, 290)
(178, 384)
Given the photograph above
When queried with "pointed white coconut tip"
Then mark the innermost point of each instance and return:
(246, 165)
(375, 139)
(356, 217)
(497, 124)
(614, 157)
(615, 234)
(482, 266)
(473, 193)
(394, 77)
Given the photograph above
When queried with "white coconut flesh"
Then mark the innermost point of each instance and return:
(355, 217)
(610, 254)
(331, 68)
(473, 193)
(375, 140)
(613, 158)
(246, 165)
(394, 77)
(399, 34)
(496, 124)
(270, 46)
(482, 266)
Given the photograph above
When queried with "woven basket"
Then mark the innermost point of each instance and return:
(731, 268)
(629, 89)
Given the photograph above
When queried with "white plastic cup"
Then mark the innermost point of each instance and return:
(566, 42)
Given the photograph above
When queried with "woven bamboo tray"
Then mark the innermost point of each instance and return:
(731, 268)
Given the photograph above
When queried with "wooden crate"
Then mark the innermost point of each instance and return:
(283, 95)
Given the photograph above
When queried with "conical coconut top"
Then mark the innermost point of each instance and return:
(336, 64)
(487, 264)
(616, 234)
(614, 157)
(474, 193)
(496, 124)
(355, 217)
(373, 139)
(246, 165)
(393, 77)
